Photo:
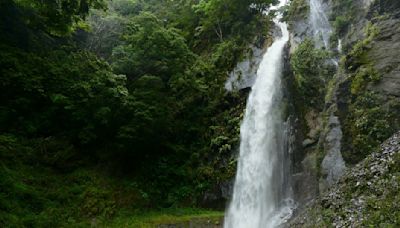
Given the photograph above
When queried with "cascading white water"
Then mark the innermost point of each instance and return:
(339, 47)
(332, 164)
(261, 197)
(322, 29)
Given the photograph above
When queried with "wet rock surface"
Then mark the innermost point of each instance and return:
(385, 52)
(365, 188)
(244, 74)
(334, 143)
(333, 166)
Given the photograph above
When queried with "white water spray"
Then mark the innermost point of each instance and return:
(340, 47)
(261, 197)
(322, 29)
(332, 164)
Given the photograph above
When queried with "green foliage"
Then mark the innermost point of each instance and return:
(126, 7)
(141, 53)
(296, 9)
(341, 24)
(226, 54)
(56, 17)
(359, 54)
(311, 72)
(220, 15)
(148, 124)
(344, 13)
(175, 216)
(174, 93)
(370, 123)
(361, 78)
(375, 192)
(155, 114)
(34, 194)
(73, 91)
(105, 32)
(56, 152)
(221, 20)
(97, 202)
(370, 119)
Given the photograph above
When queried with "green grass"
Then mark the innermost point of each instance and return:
(165, 216)
(34, 194)
(81, 199)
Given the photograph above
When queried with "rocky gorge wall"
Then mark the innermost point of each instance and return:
(359, 100)
(338, 115)
(366, 196)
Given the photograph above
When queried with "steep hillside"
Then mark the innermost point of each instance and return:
(349, 114)
(356, 108)
(366, 196)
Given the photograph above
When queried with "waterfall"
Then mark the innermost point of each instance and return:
(340, 47)
(333, 165)
(322, 29)
(261, 196)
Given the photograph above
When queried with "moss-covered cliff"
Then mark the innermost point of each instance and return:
(355, 108)
(366, 196)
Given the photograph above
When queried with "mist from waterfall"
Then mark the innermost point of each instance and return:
(262, 192)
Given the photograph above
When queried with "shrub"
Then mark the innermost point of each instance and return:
(311, 71)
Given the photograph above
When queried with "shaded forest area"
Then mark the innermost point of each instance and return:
(110, 106)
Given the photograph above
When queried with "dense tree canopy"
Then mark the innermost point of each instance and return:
(149, 48)
(132, 86)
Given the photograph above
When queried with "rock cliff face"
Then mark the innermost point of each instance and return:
(361, 105)
(245, 72)
(367, 194)
(352, 102)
